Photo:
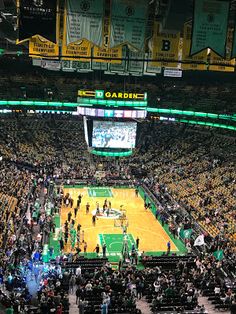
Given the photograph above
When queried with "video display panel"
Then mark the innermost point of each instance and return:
(114, 134)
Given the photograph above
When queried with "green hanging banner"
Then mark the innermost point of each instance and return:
(128, 23)
(84, 20)
(210, 26)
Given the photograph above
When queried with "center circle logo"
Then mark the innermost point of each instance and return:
(108, 213)
(85, 6)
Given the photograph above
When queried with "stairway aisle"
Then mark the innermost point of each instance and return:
(143, 306)
(73, 306)
(208, 306)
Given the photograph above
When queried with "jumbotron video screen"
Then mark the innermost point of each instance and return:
(108, 134)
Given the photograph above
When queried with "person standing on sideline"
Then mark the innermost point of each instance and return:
(136, 192)
(85, 248)
(82, 236)
(168, 247)
(137, 243)
(104, 248)
(97, 249)
(157, 214)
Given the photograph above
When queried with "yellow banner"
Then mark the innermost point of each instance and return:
(107, 53)
(221, 64)
(76, 51)
(40, 47)
(165, 47)
(199, 57)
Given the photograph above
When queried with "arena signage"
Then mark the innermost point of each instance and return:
(101, 94)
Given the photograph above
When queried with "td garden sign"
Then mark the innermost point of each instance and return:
(102, 94)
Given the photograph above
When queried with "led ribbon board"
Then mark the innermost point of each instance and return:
(112, 98)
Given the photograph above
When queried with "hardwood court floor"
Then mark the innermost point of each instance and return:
(142, 223)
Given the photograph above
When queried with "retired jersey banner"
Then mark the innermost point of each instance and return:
(37, 17)
(219, 64)
(210, 26)
(165, 47)
(149, 69)
(83, 67)
(136, 63)
(122, 67)
(191, 62)
(40, 47)
(99, 66)
(84, 21)
(109, 54)
(128, 23)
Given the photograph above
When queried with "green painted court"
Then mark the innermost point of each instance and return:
(114, 243)
(100, 192)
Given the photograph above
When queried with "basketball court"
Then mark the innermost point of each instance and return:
(108, 228)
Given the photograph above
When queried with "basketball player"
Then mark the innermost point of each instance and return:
(97, 210)
(87, 208)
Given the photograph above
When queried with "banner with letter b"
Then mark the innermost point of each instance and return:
(165, 48)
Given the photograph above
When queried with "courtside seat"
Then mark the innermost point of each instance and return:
(168, 262)
(85, 264)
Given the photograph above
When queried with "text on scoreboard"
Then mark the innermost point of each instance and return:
(111, 98)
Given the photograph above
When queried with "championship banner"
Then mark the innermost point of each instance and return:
(77, 51)
(165, 47)
(200, 57)
(128, 23)
(210, 26)
(40, 48)
(84, 20)
(220, 64)
(37, 17)
(110, 54)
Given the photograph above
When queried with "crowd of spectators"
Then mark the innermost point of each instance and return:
(183, 167)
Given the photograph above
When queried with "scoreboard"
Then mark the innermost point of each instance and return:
(111, 98)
